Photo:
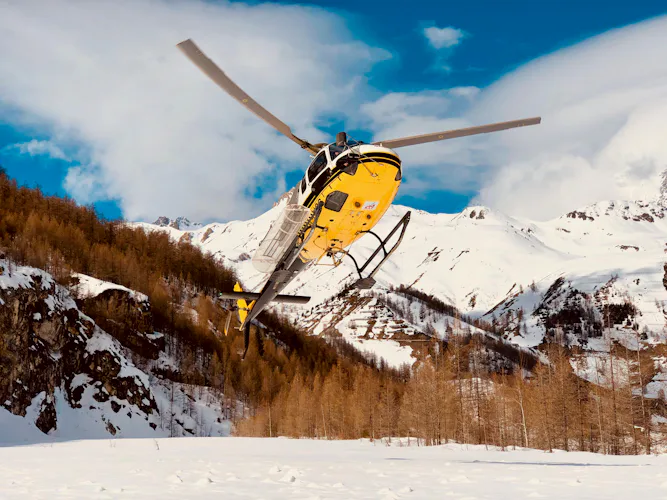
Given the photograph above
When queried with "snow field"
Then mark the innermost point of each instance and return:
(305, 469)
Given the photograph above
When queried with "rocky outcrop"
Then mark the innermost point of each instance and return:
(49, 350)
(127, 317)
(579, 215)
(180, 223)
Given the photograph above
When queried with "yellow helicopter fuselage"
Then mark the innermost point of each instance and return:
(356, 187)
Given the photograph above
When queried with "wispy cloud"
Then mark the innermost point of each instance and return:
(443, 38)
(38, 148)
(148, 128)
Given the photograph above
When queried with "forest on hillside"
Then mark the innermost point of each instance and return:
(304, 386)
(450, 397)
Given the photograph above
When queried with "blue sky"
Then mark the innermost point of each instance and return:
(498, 37)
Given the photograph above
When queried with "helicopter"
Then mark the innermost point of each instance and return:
(345, 191)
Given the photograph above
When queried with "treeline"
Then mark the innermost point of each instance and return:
(450, 397)
(435, 304)
(286, 355)
(57, 235)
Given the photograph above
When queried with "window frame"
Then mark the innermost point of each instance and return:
(329, 148)
(324, 156)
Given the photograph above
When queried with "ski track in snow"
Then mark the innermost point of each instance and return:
(305, 469)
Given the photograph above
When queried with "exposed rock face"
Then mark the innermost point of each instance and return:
(180, 223)
(186, 238)
(49, 349)
(206, 234)
(127, 318)
(162, 221)
(573, 312)
(474, 214)
(579, 215)
(637, 211)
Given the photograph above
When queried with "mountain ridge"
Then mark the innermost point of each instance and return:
(477, 260)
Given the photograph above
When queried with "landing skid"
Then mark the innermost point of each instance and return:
(366, 282)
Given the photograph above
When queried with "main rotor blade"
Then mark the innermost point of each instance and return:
(194, 53)
(462, 132)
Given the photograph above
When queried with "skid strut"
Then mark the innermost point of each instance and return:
(368, 281)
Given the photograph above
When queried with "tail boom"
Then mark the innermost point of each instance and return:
(241, 298)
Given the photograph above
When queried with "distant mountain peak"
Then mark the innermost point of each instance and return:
(284, 198)
(476, 212)
(180, 223)
(162, 221)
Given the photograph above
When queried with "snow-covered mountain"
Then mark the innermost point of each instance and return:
(517, 273)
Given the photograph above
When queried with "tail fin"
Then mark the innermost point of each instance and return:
(243, 306)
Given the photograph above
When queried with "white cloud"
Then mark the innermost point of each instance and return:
(603, 102)
(83, 184)
(38, 148)
(604, 109)
(443, 38)
(104, 80)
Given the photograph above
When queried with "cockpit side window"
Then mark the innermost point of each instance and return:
(303, 185)
(334, 151)
(319, 164)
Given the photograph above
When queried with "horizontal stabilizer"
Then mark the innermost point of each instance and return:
(286, 299)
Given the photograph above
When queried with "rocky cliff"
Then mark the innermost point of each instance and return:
(71, 377)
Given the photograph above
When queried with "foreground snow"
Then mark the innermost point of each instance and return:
(281, 468)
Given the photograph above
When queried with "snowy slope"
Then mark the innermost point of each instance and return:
(282, 468)
(85, 286)
(480, 258)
